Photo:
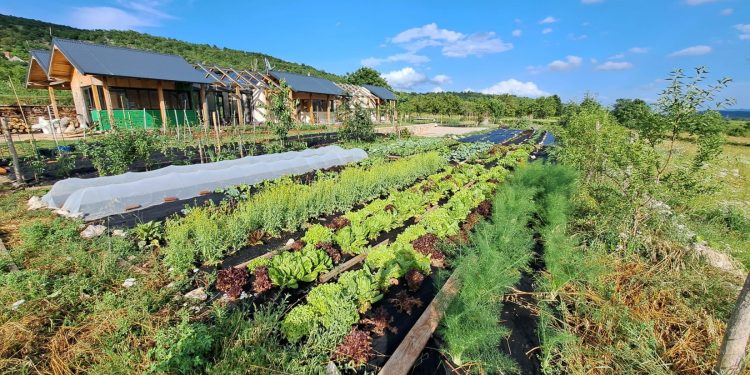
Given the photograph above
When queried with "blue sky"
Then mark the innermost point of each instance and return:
(608, 48)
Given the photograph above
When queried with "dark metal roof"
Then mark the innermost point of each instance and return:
(89, 58)
(42, 57)
(303, 83)
(380, 92)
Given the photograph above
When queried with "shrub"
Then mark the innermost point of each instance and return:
(357, 123)
(183, 349)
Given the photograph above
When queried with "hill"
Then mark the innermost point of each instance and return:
(19, 35)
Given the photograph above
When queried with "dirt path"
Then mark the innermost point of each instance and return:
(431, 130)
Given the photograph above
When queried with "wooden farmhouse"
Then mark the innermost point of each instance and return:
(120, 87)
(124, 87)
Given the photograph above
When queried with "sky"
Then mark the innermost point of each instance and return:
(606, 48)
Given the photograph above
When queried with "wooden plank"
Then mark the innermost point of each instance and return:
(204, 107)
(310, 110)
(108, 102)
(240, 112)
(162, 106)
(328, 109)
(411, 347)
(53, 101)
(4, 252)
(95, 94)
(269, 255)
(347, 265)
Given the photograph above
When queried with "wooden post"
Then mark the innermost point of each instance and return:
(240, 113)
(216, 133)
(328, 109)
(411, 347)
(53, 101)
(95, 94)
(162, 105)
(310, 110)
(12, 150)
(108, 102)
(377, 111)
(204, 107)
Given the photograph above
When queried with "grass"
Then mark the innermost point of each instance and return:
(718, 217)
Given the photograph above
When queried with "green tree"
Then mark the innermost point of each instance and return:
(280, 107)
(356, 122)
(366, 76)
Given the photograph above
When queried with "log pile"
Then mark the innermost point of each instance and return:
(17, 125)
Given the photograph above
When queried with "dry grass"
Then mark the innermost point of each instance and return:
(644, 319)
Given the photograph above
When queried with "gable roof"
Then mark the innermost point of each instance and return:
(303, 83)
(380, 92)
(42, 58)
(98, 59)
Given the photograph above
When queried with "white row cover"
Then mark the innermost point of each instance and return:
(99, 197)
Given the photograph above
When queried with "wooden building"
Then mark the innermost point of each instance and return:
(315, 97)
(121, 87)
(385, 105)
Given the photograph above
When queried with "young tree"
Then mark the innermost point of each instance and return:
(281, 108)
(356, 122)
(734, 344)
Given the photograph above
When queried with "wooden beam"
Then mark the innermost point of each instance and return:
(240, 113)
(204, 107)
(310, 110)
(411, 347)
(108, 102)
(53, 101)
(95, 94)
(328, 109)
(162, 106)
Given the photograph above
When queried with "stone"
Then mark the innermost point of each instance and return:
(70, 129)
(129, 282)
(198, 294)
(119, 233)
(35, 203)
(17, 304)
(65, 121)
(92, 231)
(331, 369)
(289, 242)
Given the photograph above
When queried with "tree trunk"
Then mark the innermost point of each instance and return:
(12, 150)
(735, 338)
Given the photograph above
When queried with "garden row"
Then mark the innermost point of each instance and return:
(335, 307)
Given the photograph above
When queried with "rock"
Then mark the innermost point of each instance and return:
(198, 294)
(129, 282)
(17, 304)
(3, 171)
(70, 129)
(92, 231)
(119, 233)
(719, 260)
(65, 121)
(244, 295)
(289, 243)
(170, 285)
(331, 369)
(35, 203)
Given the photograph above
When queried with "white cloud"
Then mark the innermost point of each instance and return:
(547, 31)
(516, 32)
(407, 57)
(453, 43)
(438, 89)
(441, 79)
(593, 60)
(132, 15)
(726, 11)
(515, 87)
(430, 31)
(570, 62)
(744, 30)
(575, 37)
(699, 2)
(549, 19)
(692, 51)
(617, 56)
(638, 50)
(591, 1)
(612, 65)
(476, 44)
(405, 78)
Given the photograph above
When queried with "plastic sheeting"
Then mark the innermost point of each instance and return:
(103, 196)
